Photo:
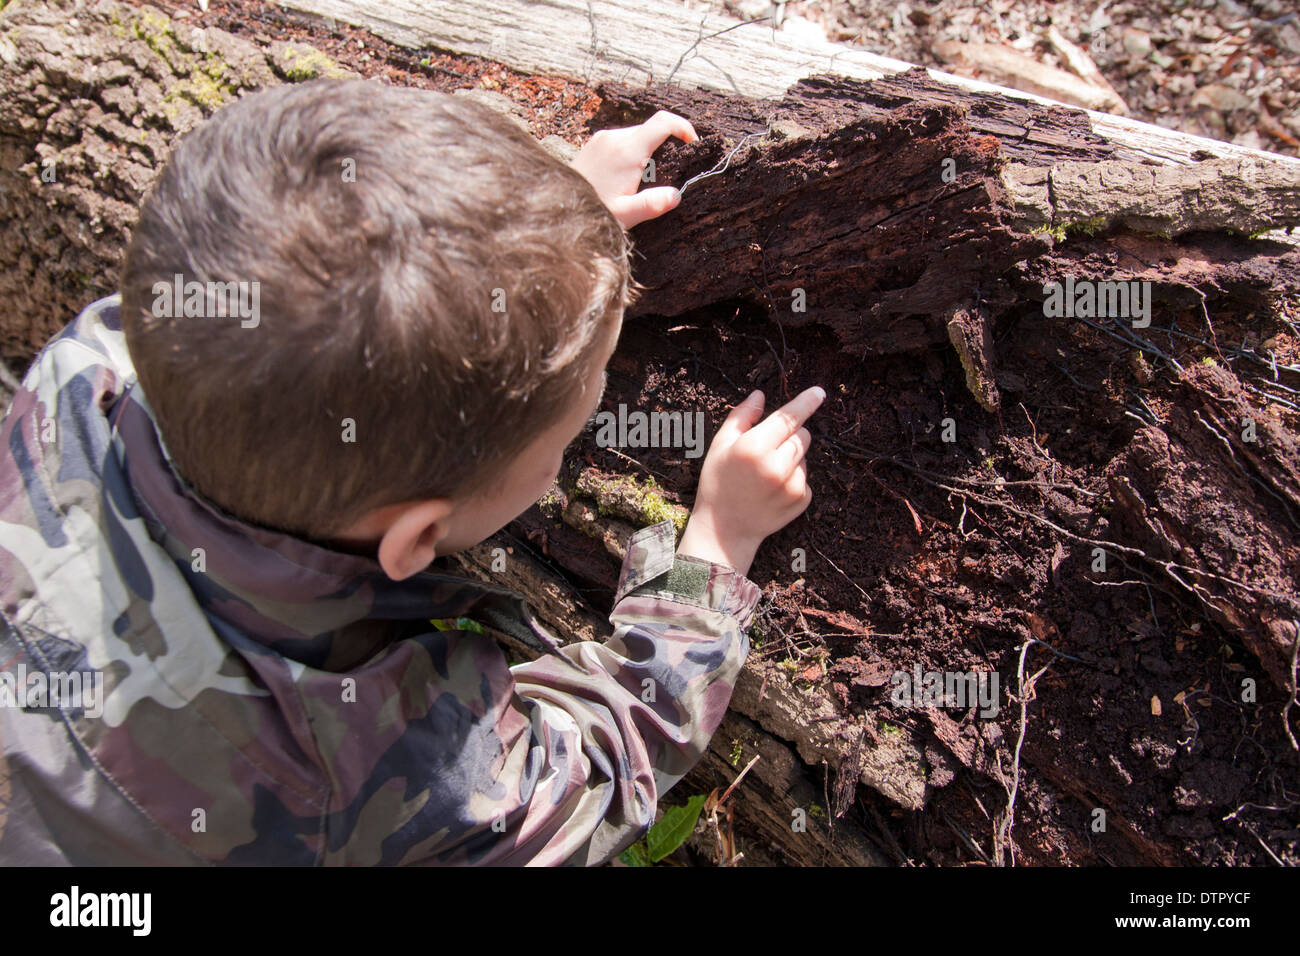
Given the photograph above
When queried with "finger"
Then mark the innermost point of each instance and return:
(797, 487)
(787, 419)
(651, 134)
(647, 204)
(741, 419)
(796, 447)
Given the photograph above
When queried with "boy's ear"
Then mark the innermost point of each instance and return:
(411, 541)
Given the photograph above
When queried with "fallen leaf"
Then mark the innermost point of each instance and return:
(1155, 707)
(1275, 129)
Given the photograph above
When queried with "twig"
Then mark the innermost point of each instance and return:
(846, 577)
(1024, 693)
(735, 783)
(722, 164)
(962, 835)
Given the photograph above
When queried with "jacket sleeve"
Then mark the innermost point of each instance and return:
(637, 711)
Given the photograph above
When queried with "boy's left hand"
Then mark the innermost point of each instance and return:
(613, 161)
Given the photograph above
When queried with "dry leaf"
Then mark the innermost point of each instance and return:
(1155, 706)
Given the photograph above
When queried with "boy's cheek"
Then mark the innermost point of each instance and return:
(547, 481)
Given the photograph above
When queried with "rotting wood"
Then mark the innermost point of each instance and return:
(879, 208)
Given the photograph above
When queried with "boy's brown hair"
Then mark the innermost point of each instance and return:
(424, 270)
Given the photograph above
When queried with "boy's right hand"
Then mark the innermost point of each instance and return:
(754, 480)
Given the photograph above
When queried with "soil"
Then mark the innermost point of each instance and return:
(916, 551)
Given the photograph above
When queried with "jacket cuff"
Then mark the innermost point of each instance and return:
(652, 568)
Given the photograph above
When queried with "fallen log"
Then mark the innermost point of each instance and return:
(878, 208)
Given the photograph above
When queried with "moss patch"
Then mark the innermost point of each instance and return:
(637, 501)
(299, 63)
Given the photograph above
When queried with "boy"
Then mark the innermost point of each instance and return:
(358, 327)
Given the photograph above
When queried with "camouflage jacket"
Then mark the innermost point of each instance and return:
(265, 700)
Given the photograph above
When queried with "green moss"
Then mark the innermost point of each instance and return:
(201, 89)
(1080, 227)
(1087, 227)
(652, 506)
(301, 64)
(156, 31)
(737, 751)
(817, 811)
(204, 75)
(656, 509)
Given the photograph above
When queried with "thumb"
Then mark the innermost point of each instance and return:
(741, 419)
(647, 204)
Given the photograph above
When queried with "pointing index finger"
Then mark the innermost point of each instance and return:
(789, 418)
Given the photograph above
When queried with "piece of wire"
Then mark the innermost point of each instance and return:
(722, 165)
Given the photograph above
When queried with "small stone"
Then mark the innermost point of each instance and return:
(1137, 42)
